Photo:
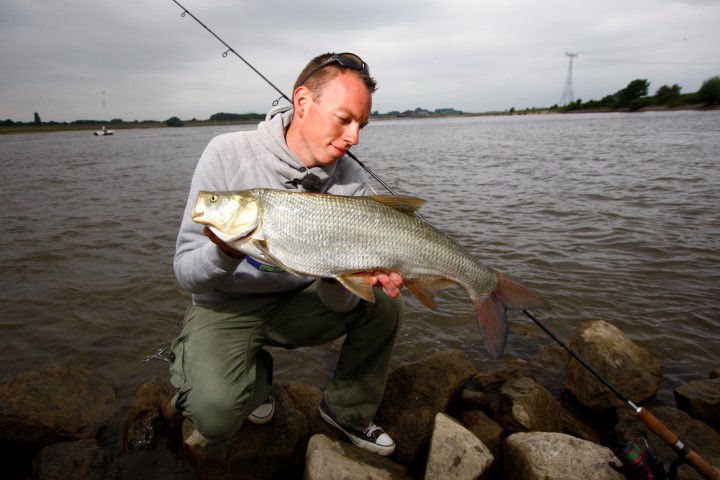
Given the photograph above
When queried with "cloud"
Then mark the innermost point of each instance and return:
(152, 63)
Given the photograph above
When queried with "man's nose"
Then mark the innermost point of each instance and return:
(352, 134)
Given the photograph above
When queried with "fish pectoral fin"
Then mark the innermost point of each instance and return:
(359, 284)
(424, 290)
(403, 203)
(263, 247)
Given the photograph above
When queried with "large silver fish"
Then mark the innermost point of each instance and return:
(347, 238)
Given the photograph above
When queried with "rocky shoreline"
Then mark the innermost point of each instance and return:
(449, 420)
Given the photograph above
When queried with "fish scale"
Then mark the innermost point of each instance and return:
(349, 238)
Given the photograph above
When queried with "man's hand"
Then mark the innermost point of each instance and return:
(391, 282)
(229, 251)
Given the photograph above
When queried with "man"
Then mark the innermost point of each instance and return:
(221, 372)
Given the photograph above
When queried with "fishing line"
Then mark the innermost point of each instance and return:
(646, 417)
(230, 49)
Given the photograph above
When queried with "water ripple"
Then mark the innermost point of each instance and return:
(609, 216)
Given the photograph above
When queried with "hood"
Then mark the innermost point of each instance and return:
(272, 135)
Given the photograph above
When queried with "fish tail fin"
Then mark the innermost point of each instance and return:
(491, 311)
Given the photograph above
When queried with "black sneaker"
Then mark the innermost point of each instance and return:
(372, 438)
(264, 413)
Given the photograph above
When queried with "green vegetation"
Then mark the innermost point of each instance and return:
(237, 117)
(709, 93)
(635, 96)
(174, 122)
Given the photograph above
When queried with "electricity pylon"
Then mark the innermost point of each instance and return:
(568, 96)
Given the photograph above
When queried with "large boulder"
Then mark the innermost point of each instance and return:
(84, 459)
(484, 428)
(557, 456)
(455, 452)
(623, 363)
(146, 419)
(43, 407)
(255, 452)
(701, 400)
(415, 393)
(306, 398)
(328, 458)
(526, 406)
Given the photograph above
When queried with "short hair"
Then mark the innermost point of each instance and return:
(317, 81)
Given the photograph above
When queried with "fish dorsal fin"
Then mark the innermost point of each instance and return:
(424, 290)
(402, 203)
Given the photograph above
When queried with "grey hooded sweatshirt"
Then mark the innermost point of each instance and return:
(240, 161)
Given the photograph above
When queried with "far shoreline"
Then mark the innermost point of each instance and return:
(63, 127)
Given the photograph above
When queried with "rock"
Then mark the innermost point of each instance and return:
(491, 380)
(474, 400)
(549, 368)
(43, 407)
(173, 419)
(157, 461)
(611, 353)
(525, 406)
(484, 428)
(557, 456)
(269, 451)
(415, 393)
(701, 400)
(146, 419)
(79, 459)
(455, 452)
(576, 425)
(330, 459)
(715, 373)
(306, 398)
(697, 435)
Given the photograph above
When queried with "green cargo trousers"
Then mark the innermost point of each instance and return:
(222, 373)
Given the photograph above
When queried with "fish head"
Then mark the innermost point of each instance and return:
(230, 215)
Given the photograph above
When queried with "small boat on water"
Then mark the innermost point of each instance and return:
(102, 132)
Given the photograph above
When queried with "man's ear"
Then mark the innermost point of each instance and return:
(301, 97)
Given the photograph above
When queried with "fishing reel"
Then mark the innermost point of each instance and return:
(638, 463)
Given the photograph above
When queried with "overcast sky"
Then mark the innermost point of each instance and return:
(140, 60)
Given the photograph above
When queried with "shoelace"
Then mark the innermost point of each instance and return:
(372, 428)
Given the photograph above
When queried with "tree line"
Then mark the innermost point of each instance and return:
(635, 96)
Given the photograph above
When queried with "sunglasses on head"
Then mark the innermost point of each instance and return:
(348, 60)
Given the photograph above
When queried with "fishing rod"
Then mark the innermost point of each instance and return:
(232, 50)
(646, 417)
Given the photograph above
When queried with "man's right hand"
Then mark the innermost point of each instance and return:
(227, 249)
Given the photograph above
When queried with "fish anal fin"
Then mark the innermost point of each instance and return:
(360, 284)
(424, 290)
(402, 203)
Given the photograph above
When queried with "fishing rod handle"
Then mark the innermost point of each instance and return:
(659, 429)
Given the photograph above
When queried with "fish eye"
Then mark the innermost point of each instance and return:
(213, 198)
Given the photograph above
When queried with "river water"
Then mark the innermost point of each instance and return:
(608, 216)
